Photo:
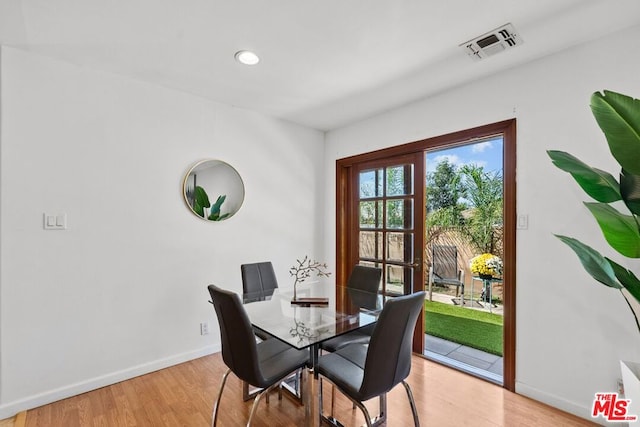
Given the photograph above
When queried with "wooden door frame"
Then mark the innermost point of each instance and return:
(347, 256)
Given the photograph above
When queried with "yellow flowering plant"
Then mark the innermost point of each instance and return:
(486, 265)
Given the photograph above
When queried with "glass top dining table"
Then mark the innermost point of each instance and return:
(305, 325)
(308, 326)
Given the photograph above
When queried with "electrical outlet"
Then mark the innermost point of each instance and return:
(204, 328)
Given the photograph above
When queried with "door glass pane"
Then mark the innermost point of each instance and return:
(399, 213)
(400, 247)
(370, 214)
(395, 278)
(385, 222)
(400, 180)
(370, 183)
(370, 244)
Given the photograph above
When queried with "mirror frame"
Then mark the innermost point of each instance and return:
(191, 171)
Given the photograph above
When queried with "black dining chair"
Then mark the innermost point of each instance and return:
(364, 283)
(258, 281)
(263, 364)
(258, 284)
(362, 372)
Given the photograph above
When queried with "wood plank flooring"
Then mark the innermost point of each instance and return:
(183, 395)
(18, 421)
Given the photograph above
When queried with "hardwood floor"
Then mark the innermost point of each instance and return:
(183, 396)
(17, 421)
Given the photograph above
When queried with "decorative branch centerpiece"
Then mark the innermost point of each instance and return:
(302, 270)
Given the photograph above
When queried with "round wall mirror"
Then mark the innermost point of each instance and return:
(213, 190)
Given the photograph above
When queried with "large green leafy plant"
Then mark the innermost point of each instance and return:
(619, 118)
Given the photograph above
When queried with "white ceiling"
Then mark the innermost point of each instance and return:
(323, 64)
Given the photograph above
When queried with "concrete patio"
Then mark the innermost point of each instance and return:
(476, 305)
(471, 360)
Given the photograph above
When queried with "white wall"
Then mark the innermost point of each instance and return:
(123, 290)
(571, 332)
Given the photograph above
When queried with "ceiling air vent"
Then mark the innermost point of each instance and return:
(493, 42)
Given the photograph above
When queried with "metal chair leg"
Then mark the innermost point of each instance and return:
(245, 391)
(258, 395)
(256, 401)
(266, 392)
(246, 395)
(412, 402)
(382, 415)
(331, 420)
(297, 390)
(367, 417)
(214, 416)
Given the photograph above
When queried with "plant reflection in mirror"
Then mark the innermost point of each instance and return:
(201, 202)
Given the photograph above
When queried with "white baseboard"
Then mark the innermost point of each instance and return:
(10, 409)
(555, 401)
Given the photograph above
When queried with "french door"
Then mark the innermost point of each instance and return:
(389, 221)
(380, 220)
(383, 211)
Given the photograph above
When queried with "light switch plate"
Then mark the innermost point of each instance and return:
(55, 222)
(523, 222)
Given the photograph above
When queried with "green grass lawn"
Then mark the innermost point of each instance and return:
(473, 328)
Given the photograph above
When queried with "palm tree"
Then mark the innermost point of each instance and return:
(484, 196)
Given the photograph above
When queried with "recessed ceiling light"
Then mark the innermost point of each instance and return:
(247, 57)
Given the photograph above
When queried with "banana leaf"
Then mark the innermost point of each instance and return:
(215, 209)
(630, 283)
(593, 262)
(626, 278)
(618, 117)
(630, 191)
(620, 231)
(599, 184)
(201, 201)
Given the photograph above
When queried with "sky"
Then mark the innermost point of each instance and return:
(486, 153)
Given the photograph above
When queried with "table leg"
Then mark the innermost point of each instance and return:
(308, 398)
(314, 352)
